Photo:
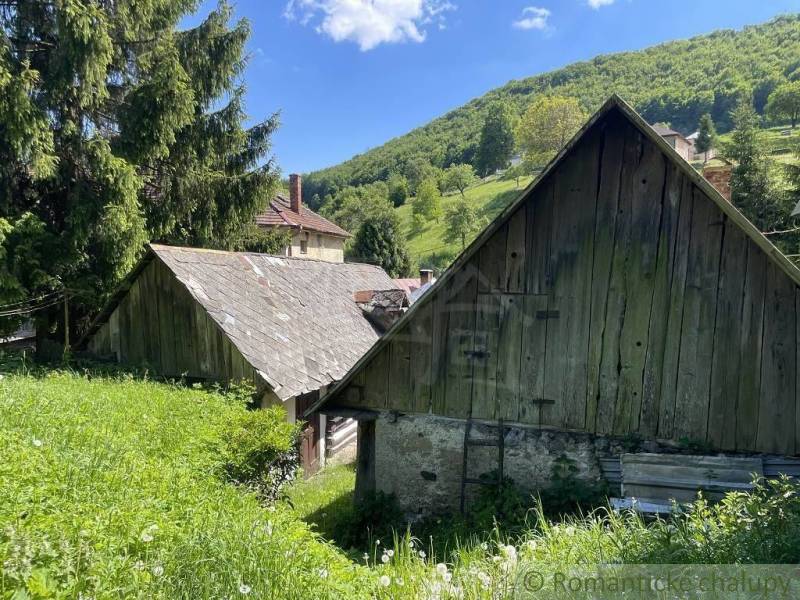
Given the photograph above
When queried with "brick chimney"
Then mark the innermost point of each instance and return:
(425, 276)
(720, 178)
(295, 192)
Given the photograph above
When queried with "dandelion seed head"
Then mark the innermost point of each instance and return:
(158, 570)
(385, 558)
(244, 589)
(37, 442)
(385, 580)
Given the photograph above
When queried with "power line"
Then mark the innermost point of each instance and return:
(28, 301)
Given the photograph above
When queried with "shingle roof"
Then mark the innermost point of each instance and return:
(279, 214)
(294, 320)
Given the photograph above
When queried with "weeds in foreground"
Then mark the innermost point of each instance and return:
(110, 489)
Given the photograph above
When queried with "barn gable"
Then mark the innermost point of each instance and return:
(620, 294)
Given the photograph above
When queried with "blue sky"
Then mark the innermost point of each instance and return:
(348, 75)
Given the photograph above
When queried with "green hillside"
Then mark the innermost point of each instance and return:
(427, 245)
(674, 82)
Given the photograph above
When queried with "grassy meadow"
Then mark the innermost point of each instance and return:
(427, 245)
(110, 488)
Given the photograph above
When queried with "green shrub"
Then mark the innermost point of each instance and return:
(568, 493)
(504, 506)
(259, 450)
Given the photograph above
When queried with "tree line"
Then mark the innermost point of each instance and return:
(677, 82)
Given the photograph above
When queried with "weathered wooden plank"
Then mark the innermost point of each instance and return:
(492, 257)
(166, 315)
(727, 336)
(421, 348)
(776, 416)
(377, 380)
(400, 393)
(797, 373)
(515, 252)
(608, 380)
(576, 198)
(557, 361)
(750, 349)
(539, 223)
(672, 342)
(136, 330)
(662, 283)
(460, 332)
(440, 316)
(509, 357)
(645, 182)
(699, 314)
(484, 356)
(533, 363)
(605, 225)
(149, 314)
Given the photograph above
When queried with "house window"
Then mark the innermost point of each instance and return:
(304, 245)
(319, 241)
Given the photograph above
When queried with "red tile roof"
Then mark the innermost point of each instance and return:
(279, 214)
(408, 284)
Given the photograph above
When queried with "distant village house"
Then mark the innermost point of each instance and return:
(313, 236)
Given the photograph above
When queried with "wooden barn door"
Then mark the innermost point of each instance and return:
(309, 439)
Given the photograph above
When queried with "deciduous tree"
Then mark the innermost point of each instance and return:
(496, 144)
(428, 203)
(459, 177)
(462, 222)
(784, 102)
(547, 125)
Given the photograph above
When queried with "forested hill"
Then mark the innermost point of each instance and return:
(675, 82)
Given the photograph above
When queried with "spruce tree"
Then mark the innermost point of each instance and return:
(116, 128)
(752, 189)
(706, 136)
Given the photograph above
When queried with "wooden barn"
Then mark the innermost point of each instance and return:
(291, 326)
(620, 303)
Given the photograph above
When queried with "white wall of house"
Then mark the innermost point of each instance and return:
(317, 245)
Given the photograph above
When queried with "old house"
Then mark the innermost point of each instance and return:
(683, 146)
(291, 326)
(620, 301)
(313, 236)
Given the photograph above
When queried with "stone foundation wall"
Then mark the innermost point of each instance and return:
(419, 458)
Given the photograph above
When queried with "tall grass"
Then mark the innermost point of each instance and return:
(110, 488)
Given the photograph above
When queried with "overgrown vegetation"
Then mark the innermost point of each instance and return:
(111, 488)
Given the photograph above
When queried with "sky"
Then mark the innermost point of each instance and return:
(348, 75)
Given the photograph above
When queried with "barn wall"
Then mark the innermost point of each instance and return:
(419, 459)
(158, 324)
(618, 299)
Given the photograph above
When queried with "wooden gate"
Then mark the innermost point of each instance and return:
(309, 439)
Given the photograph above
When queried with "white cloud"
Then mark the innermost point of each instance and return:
(595, 4)
(533, 17)
(370, 23)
